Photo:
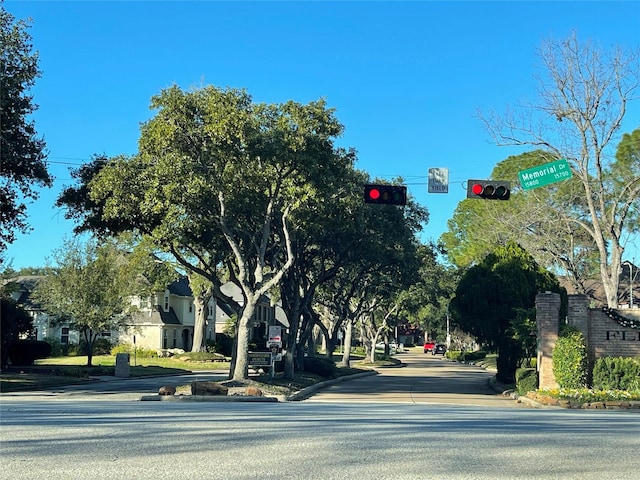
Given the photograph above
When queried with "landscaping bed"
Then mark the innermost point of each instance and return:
(586, 399)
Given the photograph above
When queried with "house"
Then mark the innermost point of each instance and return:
(162, 321)
(167, 319)
(628, 288)
(45, 326)
(266, 315)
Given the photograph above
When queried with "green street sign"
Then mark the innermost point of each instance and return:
(545, 174)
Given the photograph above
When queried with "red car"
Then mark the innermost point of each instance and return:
(428, 346)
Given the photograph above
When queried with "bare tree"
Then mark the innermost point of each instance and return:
(583, 98)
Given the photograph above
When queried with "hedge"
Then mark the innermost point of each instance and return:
(570, 365)
(617, 373)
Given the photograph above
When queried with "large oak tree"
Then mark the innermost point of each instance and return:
(215, 184)
(22, 152)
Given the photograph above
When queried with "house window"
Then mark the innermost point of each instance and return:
(64, 335)
(190, 307)
(166, 303)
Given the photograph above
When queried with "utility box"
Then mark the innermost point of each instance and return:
(122, 365)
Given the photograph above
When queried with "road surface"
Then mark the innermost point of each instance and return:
(423, 379)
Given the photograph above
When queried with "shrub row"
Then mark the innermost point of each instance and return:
(526, 380)
(464, 356)
(321, 366)
(24, 352)
(617, 373)
(139, 352)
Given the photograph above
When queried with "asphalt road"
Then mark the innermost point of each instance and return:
(115, 439)
(436, 420)
(422, 379)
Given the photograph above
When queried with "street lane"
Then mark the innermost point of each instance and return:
(105, 440)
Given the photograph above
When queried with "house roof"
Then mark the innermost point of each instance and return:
(181, 288)
(20, 289)
(168, 318)
(595, 290)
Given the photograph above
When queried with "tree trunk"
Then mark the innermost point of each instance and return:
(292, 346)
(346, 351)
(241, 368)
(199, 329)
(88, 337)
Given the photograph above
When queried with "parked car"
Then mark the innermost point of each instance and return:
(439, 349)
(428, 346)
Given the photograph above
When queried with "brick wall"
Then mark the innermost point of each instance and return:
(605, 336)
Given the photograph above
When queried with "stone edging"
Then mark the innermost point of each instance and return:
(300, 395)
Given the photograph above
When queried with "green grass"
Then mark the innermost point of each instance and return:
(50, 372)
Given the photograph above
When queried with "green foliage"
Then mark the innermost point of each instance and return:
(584, 395)
(23, 153)
(199, 357)
(494, 299)
(102, 346)
(322, 366)
(25, 352)
(456, 355)
(14, 322)
(57, 348)
(570, 365)
(140, 352)
(526, 380)
(223, 344)
(89, 290)
(230, 327)
(617, 373)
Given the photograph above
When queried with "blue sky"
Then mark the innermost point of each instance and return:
(405, 78)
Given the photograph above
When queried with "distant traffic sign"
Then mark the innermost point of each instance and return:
(545, 174)
(438, 180)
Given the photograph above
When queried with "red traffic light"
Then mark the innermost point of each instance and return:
(385, 194)
(374, 194)
(489, 189)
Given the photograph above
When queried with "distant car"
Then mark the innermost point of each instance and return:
(392, 345)
(428, 346)
(439, 349)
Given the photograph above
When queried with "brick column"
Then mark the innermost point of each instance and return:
(547, 311)
(578, 313)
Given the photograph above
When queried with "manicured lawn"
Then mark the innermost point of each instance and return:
(50, 372)
(110, 361)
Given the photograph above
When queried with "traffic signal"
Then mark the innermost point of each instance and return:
(489, 189)
(385, 194)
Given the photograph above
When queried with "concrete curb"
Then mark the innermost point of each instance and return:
(206, 398)
(309, 391)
